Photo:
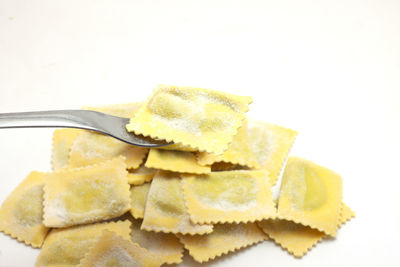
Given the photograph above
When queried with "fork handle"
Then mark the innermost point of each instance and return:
(51, 118)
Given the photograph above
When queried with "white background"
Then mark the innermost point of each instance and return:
(328, 69)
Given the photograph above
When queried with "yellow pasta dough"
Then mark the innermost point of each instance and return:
(67, 246)
(230, 196)
(224, 239)
(194, 117)
(164, 245)
(90, 148)
(62, 142)
(297, 238)
(141, 175)
(271, 145)
(238, 152)
(114, 251)
(83, 195)
(21, 213)
(165, 207)
(138, 199)
(310, 195)
(176, 161)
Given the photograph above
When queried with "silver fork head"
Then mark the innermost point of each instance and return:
(81, 119)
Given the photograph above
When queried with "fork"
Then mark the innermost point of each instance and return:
(81, 119)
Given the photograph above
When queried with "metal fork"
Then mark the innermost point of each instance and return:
(82, 119)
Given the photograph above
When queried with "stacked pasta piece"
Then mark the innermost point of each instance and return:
(108, 203)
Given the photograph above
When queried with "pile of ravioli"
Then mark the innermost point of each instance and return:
(107, 203)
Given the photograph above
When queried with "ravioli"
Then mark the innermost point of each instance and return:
(91, 148)
(271, 145)
(165, 207)
(310, 195)
(84, 195)
(199, 118)
(224, 239)
(67, 246)
(296, 238)
(165, 246)
(230, 196)
(176, 161)
(21, 213)
(114, 251)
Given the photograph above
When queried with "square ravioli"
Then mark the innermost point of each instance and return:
(238, 152)
(271, 145)
(194, 117)
(228, 196)
(176, 161)
(21, 213)
(296, 238)
(112, 250)
(67, 246)
(224, 239)
(90, 148)
(166, 246)
(62, 142)
(165, 209)
(138, 199)
(84, 195)
(310, 195)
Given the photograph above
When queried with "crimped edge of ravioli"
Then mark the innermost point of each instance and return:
(300, 254)
(68, 169)
(184, 141)
(158, 229)
(154, 160)
(206, 259)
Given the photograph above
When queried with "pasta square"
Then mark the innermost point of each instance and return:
(271, 145)
(112, 250)
(84, 195)
(91, 148)
(21, 213)
(165, 207)
(298, 239)
(176, 161)
(238, 152)
(230, 196)
(67, 246)
(62, 142)
(138, 199)
(310, 195)
(194, 117)
(164, 245)
(224, 239)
